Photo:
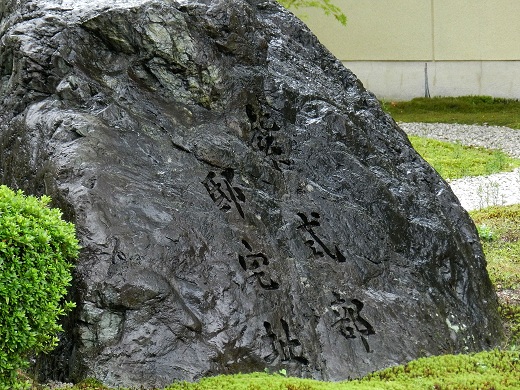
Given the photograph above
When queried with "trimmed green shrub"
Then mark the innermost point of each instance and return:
(35, 248)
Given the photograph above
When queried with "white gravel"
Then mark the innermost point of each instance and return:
(499, 189)
(481, 191)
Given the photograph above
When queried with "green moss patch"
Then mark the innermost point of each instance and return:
(453, 161)
(499, 228)
(465, 110)
(485, 370)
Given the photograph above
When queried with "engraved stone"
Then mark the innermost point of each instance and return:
(242, 201)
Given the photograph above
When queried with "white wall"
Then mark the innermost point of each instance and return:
(404, 80)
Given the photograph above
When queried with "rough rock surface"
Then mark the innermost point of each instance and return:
(242, 201)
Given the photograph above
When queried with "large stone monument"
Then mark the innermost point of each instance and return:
(242, 201)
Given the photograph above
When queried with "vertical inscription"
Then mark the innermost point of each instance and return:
(284, 346)
(264, 137)
(315, 243)
(222, 191)
(258, 264)
(349, 321)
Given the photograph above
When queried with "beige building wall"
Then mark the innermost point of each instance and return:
(487, 30)
(470, 46)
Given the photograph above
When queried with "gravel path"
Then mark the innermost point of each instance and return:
(482, 191)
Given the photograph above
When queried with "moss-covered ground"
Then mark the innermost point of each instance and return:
(454, 161)
(465, 110)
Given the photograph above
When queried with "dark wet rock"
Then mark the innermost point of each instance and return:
(242, 201)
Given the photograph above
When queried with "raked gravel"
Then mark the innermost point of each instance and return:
(481, 191)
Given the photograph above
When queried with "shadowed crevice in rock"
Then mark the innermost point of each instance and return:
(242, 201)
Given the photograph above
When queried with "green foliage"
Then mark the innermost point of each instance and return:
(485, 232)
(90, 384)
(86, 384)
(465, 110)
(325, 5)
(453, 161)
(503, 251)
(35, 246)
(255, 381)
(511, 315)
(503, 263)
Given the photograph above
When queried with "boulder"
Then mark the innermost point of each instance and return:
(243, 203)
